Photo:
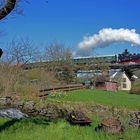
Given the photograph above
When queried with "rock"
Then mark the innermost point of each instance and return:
(52, 111)
(111, 125)
(29, 107)
(5, 101)
(135, 119)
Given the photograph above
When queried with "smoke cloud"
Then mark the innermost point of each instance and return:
(108, 36)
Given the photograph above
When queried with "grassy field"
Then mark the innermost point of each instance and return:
(116, 99)
(33, 129)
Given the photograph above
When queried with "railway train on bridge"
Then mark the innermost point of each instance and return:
(124, 58)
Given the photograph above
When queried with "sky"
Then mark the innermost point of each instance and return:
(68, 21)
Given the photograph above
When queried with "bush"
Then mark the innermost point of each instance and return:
(26, 91)
(136, 88)
(9, 75)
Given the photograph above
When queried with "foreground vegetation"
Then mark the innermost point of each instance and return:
(38, 129)
(116, 99)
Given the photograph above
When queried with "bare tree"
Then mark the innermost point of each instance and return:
(7, 8)
(21, 51)
(56, 51)
(56, 54)
(60, 61)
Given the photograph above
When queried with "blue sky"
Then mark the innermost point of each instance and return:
(68, 21)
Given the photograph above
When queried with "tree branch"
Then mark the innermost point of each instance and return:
(8, 7)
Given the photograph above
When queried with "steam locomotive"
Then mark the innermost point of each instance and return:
(127, 57)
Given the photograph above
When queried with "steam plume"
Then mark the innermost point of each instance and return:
(107, 36)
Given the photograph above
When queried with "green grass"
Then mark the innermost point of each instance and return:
(116, 99)
(33, 129)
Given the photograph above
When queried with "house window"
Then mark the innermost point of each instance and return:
(124, 79)
(124, 85)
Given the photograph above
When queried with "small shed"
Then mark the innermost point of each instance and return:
(100, 82)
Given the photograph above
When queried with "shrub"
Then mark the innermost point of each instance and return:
(9, 75)
(26, 91)
(136, 88)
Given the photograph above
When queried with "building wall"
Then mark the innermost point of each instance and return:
(101, 87)
(111, 86)
(125, 83)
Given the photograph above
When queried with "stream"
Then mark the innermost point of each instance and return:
(12, 113)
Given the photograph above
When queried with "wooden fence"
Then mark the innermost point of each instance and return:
(45, 92)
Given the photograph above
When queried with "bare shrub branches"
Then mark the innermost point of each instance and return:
(9, 75)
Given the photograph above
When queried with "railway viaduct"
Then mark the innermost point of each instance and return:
(122, 66)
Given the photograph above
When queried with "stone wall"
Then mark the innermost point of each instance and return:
(53, 110)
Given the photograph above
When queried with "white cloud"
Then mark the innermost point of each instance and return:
(108, 36)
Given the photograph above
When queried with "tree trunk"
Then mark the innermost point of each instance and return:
(8, 7)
